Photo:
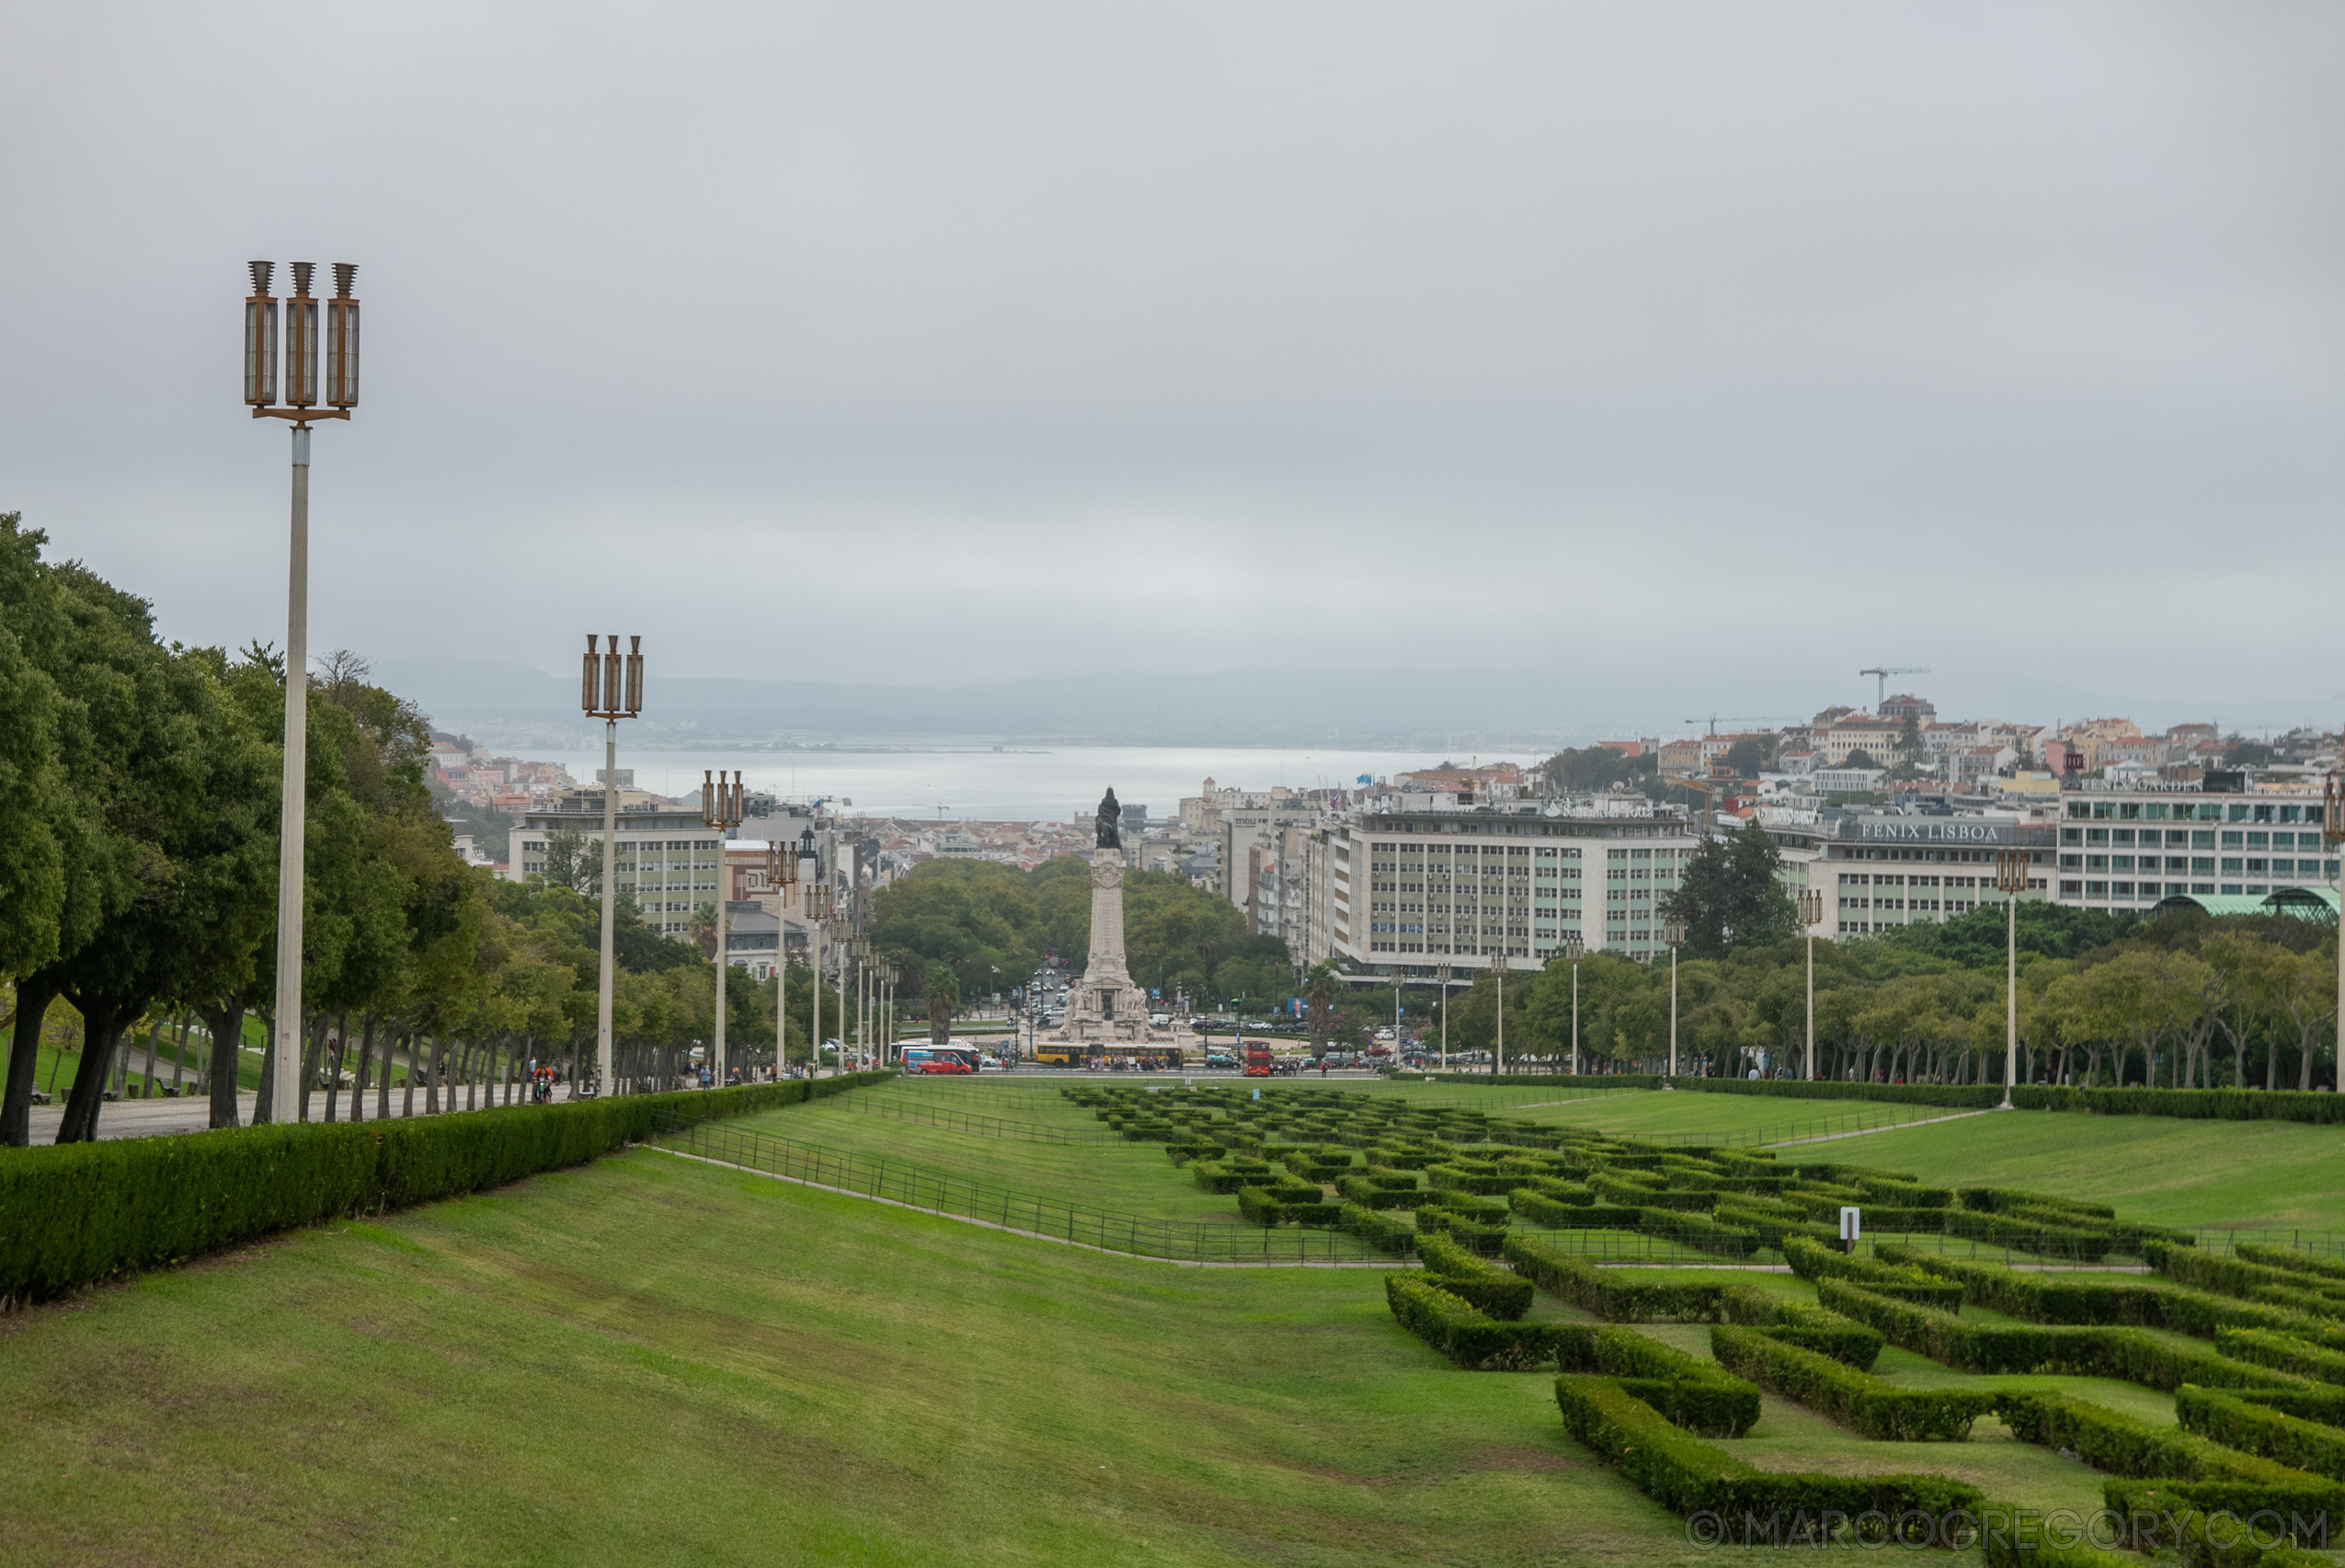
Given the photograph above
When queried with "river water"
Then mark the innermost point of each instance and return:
(1016, 784)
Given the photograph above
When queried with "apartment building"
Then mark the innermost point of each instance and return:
(1408, 888)
(2126, 847)
(670, 860)
(1879, 870)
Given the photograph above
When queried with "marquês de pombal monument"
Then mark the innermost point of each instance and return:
(1106, 1004)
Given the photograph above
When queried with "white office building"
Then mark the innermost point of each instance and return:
(2126, 847)
(669, 859)
(1410, 888)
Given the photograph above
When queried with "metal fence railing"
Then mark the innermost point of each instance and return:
(904, 1107)
(1032, 1214)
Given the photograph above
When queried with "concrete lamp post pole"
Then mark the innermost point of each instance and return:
(280, 1096)
(720, 808)
(1674, 932)
(1810, 915)
(609, 689)
(1572, 948)
(781, 877)
(2332, 834)
(2010, 880)
(1442, 973)
(1498, 1052)
(818, 914)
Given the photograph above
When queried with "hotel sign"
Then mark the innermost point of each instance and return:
(1958, 832)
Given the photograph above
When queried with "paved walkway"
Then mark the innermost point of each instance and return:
(158, 1117)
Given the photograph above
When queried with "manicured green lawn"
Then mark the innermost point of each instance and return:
(2161, 1169)
(652, 1360)
(1745, 1118)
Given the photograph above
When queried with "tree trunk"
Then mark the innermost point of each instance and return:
(262, 1109)
(2307, 1046)
(313, 1047)
(431, 1077)
(179, 1059)
(407, 1100)
(226, 1023)
(102, 1028)
(333, 1063)
(366, 1061)
(34, 993)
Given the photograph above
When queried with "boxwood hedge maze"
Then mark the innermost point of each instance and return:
(1533, 1248)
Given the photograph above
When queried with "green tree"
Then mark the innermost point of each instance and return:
(1729, 895)
(943, 995)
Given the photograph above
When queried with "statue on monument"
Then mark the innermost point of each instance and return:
(1110, 816)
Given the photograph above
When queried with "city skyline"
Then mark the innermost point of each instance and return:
(1708, 353)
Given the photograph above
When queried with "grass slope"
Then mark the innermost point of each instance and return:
(2160, 1169)
(652, 1361)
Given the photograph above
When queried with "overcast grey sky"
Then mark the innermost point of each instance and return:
(1698, 354)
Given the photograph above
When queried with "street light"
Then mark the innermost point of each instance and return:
(609, 689)
(1442, 972)
(1674, 932)
(817, 903)
(1572, 948)
(1810, 916)
(782, 877)
(2332, 834)
(720, 807)
(2011, 880)
(281, 1093)
(1498, 1051)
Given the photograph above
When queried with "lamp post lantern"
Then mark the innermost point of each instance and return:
(1810, 916)
(281, 1095)
(609, 689)
(2010, 880)
(1572, 948)
(1674, 932)
(720, 807)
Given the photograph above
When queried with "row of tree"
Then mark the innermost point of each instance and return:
(2181, 1001)
(139, 791)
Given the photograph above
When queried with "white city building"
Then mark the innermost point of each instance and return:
(670, 860)
(1408, 888)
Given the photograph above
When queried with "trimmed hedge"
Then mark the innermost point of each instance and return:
(1229, 1175)
(2119, 1445)
(2151, 1509)
(2293, 1260)
(1815, 1261)
(74, 1213)
(1553, 1080)
(2282, 1353)
(1797, 1322)
(1864, 1403)
(1465, 1178)
(1960, 1096)
(2321, 1402)
(2027, 1347)
(2030, 1235)
(1603, 1292)
(1501, 1294)
(1287, 1206)
(1699, 1232)
(1384, 1235)
(2066, 1298)
(1471, 1338)
(1467, 1205)
(1687, 1475)
(1555, 1215)
(2003, 1200)
(2257, 1429)
(2200, 1105)
(1369, 1195)
(2234, 1278)
(1698, 1395)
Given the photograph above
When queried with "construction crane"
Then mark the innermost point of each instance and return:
(1882, 674)
(1716, 719)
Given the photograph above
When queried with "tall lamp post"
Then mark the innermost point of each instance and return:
(1674, 932)
(609, 689)
(781, 877)
(1810, 916)
(1498, 1051)
(300, 390)
(1572, 948)
(817, 901)
(1442, 973)
(2332, 834)
(2010, 880)
(720, 807)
